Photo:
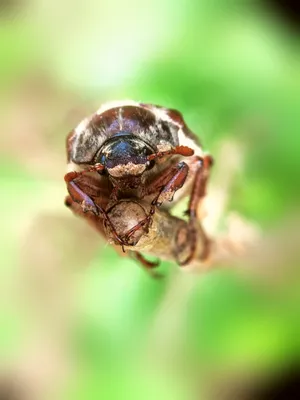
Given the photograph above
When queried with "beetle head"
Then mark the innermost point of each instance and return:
(125, 154)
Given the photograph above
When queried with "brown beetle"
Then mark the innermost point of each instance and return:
(134, 150)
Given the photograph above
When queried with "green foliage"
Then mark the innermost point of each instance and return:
(234, 74)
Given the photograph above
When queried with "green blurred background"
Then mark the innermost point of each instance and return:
(80, 322)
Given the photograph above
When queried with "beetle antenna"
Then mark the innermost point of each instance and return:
(180, 150)
(93, 168)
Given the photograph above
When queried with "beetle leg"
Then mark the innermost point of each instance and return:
(87, 204)
(197, 194)
(141, 259)
(94, 220)
(199, 185)
(78, 195)
(75, 191)
(147, 265)
(168, 183)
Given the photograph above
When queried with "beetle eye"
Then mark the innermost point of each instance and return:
(102, 172)
(102, 159)
(150, 164)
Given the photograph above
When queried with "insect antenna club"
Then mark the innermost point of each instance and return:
(129, 163)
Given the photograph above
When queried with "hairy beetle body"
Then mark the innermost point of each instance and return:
(134, 150)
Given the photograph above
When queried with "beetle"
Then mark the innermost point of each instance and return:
(128, 149)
